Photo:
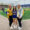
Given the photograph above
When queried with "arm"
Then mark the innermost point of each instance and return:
(22, 12)
(7, 13)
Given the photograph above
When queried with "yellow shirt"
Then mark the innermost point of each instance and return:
(23, 12)
(9, 12)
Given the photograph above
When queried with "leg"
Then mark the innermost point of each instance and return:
(19, 20)
(10, 20)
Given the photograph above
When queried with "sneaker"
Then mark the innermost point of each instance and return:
(14, 26)
(19, 28)
(11, 27)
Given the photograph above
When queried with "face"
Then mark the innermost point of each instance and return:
(18, 6)
(10, 6)
(14, 7)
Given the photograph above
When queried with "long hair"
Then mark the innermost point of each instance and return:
(14, 8)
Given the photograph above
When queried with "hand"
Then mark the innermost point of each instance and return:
(7, 13)
(19, 17)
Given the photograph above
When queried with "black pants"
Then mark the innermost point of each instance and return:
(19, 21)
(10, 20)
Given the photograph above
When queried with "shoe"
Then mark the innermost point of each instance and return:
(19, 28)
(11, 27)
(14, 26)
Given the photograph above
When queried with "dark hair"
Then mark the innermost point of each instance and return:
(13, 8)
(10, 8)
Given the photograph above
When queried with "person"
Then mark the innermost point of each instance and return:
(20, 13)
(15, 23)
(3, 10)
(14, 14)
(10, 14)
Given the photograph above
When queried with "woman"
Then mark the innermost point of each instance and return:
(14, 16)
(9, 13)
(14, 12)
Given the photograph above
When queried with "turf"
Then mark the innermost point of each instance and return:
(2, 13)
(26, 15)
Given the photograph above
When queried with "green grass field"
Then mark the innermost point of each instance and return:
(26, 14)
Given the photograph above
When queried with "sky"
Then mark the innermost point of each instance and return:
(15, 1)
